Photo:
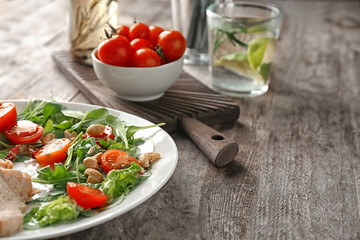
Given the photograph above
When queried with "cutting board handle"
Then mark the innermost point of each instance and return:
(216, 147)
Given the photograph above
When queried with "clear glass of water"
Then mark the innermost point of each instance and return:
(189, 17)
(241, 40)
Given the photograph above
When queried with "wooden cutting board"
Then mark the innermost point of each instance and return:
(187, 100)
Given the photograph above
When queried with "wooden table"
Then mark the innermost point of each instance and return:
(297, 174)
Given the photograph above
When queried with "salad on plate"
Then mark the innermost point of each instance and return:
(81, 162)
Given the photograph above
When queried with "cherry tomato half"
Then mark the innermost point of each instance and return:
(138, 43)
(7, 116)
(146, 57)
(154, 34)
(123, 30)
(86, 196)
(24, 131)
(53, 152)
(116, 159)
(139, 30)
(172, 43)
(115, 51)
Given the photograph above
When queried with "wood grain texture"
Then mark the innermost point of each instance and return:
(297, 174)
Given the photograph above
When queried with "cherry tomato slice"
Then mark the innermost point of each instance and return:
(53, 152)
(172, 43)
(86, 196)
(116, 159)
(154, 34)
(24, 131)
(139, 30)
(7, 116)
(146, 57)
(115, 51)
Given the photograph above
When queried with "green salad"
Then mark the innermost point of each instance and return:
(89, 159)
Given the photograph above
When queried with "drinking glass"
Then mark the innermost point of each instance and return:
(189, 17)
(242, 38)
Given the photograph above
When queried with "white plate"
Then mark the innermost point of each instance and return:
(161, 172)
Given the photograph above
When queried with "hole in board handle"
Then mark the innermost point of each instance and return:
(217, 137)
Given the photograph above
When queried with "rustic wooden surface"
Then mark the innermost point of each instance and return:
(297, 174)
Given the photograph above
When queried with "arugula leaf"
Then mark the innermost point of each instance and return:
(53, 111)
(119, 128)
(121, 182)
(49, 127)
(62, 209)
(131, 130)
(58, 178)
(96, 116)
(73, 114)
(4, 141)
(64, 125)
(3, 154)
(32, 109)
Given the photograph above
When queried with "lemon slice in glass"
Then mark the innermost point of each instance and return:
(260, 50)
(238, 64)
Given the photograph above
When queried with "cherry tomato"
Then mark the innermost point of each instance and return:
(146, 57)
(172, 43)
(24, 131)
(116, 159)
(85, 196)
(138, 43)
(115, 51)
(53, 152)
(154, 34)
(123, 30)
(7, 116)
(139, 30)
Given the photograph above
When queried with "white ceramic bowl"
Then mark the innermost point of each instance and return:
(137, 84)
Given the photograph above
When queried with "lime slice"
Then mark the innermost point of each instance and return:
(260, 50)
(256, 29)
(242, 57)
(264, 70)
(238, 64)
